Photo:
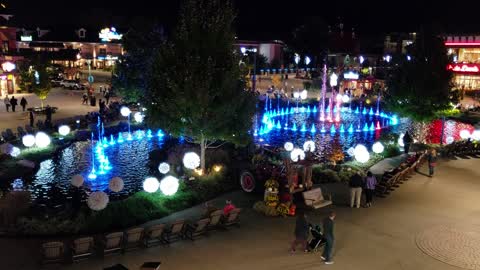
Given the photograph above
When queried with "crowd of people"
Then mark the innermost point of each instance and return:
(13, 103)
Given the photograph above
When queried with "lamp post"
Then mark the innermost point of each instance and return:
(254, 77)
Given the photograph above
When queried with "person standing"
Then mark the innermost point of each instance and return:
(13, 103)
(370, 183)
(229, 206)
(328, 227)
(23, 103)
(7, 103)
(407, 140)
(32, 118)
(48, 118)
(301, 232)
(355, 184)
(85, 99)
(432, 162)
(107, 96)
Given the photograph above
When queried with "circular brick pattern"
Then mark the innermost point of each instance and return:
(457, 246)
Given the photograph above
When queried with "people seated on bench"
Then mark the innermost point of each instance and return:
(208, 210)
(229, 206)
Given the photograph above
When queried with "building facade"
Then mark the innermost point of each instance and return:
(464, 54)
(9, 59)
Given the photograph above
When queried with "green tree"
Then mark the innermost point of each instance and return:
(195, 86)
(35, 76)
(421, 88)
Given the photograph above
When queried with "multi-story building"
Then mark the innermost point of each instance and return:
(9, 57)
(464, 52)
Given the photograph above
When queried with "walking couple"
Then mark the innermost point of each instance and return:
(302, 232)
(357, 183)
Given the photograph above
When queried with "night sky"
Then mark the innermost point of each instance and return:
(260, 19)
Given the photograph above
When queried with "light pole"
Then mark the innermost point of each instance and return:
(254, 77)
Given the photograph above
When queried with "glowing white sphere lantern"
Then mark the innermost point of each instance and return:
(361, 153)
(164, 168)
(42, 139)
(400, 140)
(378, 148)
(333, 79)
(309, 146)
(191, 160)
(345, 98)
(15, 152)
(304, 94)
(339, 97)
(476, 135)
(169, 185)
(288, 146)
(296, 95)
(151, 185)
(297, 154)
(464, 134)
(449, 139)
(138, 116)
(125, 111)
(28, 140)
(351, 151)
(116, 184)
(98, 200)
(77, 180)
(64, 130)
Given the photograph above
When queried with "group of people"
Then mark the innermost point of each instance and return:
(210, 208)
(358, 184)
(13, 102)
(105, 91)
(302, 233)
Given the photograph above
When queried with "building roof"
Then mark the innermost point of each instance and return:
(63, 34)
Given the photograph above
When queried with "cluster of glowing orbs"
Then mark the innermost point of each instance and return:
(191, 160)
(169, 185)
(42, 139)
(288, 146)
(97, 200)
(361, 153)
(138, 116)
(116, 184)
(77, 180)
(163, 168)
(378, 148)
(28, 140)
(464, 134)
(297, 154)
(309, 146)
(151, 185)
(64, 130)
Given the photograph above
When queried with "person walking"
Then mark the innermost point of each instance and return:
(301, 232)
(328, 227)
(32, 118)
(13, 103)
(370, 183)
(23, 103)
(7, 103)
(407, 140)
(432, 162)
(85, 99)
(107, 96)
(355, 184)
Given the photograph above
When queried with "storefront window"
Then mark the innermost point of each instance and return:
(470, 55)
(467, 82)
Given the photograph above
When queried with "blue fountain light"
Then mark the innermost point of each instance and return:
(394, 120)
(372, 127)
(358, 128)
(371, 111)
(350, 129)
(265, 119)
(139, 134)
(105, 142)
(286, 126)
(112, 140)
(92, 174)
(314, 109)
(332, 129)
(323, 129)
(334, 109)
(294, 128)
(255, 133)
(149, 133)
(365, 127)
(357, 111)
(160, 133)
(308, 109)
(304, 128)
(342, 128)
(292, 110)
(364, 111)
(129, 137)
(278, 125)
(313, 129)
(120, 138)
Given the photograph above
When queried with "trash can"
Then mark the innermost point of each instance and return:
(93, 101)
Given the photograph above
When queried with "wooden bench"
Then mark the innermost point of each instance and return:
(314, 198)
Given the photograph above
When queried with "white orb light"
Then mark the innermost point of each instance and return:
(288, 146)
(345, 98)
(400, 140)
(378, 148)
(116, 184)
(296, 94)
(64, 130)
(351, 151)
(169, 185)
(28, 140)
(125, 111)
(361, 153)
(309, 146)
(15, 152)
(297, 154)
(333, 79)
(476, 135)
(304, 94)
(77, 180)
(339, 97)
(97, 200)
(164, 168)
(464, 134)
(138, 116)
(191, 160)
(42, 139)
(449, 139)
(151, 185)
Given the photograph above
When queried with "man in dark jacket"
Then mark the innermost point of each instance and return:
(23, 103)
(407, 140)
(301, 232)
(356, 184)
(14, 103)
(328, 226)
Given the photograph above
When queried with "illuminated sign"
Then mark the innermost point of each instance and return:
(462, 43)
(8, 66)
(464, 68)
(26, 38)
(351, 75)
(109, 34)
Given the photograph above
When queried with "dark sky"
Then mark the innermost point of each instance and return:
(261, 19)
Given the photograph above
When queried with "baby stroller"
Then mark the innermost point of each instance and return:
(317, 241)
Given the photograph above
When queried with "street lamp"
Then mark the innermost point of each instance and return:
(254, 77)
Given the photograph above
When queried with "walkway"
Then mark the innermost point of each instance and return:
(382, 237)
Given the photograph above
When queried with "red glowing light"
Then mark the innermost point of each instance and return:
(462, 43)
(464, 68)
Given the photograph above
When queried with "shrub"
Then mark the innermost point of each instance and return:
(391, 150)
(320, 175)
